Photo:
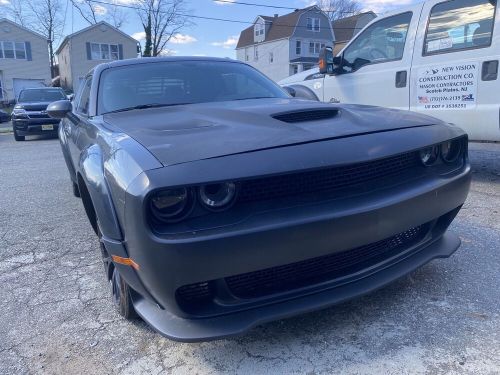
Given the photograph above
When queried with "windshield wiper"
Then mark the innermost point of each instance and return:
(144, 106)
(257, 97)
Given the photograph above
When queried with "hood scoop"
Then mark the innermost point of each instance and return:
(306, 115)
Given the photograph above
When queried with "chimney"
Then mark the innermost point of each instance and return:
(275, 15)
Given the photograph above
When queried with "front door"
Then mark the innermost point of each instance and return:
(378, 63)
(456, 63)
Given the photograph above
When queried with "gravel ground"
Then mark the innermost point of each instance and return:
(56, 315)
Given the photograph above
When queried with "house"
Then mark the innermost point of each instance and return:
(347, 28)
(81, 51)
(24, 60)
(280, 46)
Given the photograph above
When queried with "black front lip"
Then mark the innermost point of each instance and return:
(193, 330)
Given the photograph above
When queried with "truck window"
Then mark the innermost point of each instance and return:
(458, 25)
(381, 42)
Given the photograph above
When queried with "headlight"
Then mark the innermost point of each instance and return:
(429, 155)
(451, 150)
(172, 205)
(218, 196)
(19, 111)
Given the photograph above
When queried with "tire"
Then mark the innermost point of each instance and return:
(17, 137)
(121, 296)
(120, 291)
(76, 190)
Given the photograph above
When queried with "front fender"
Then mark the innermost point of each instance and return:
(92, 172)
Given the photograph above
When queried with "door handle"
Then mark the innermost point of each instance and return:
(401, 78)
(489, 71)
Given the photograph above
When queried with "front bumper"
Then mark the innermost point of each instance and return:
(24, 126)
(277, 237)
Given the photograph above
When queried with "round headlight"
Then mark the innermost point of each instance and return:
(451, 150)
(172, 205)
(218, 196)
(429, 155)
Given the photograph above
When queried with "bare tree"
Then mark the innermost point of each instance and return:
(336, 9)
(17, 10)
(93, 12)
(161, 20)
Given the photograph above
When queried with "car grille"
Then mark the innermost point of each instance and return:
(306, 273)
(327, 179)
(38, 116)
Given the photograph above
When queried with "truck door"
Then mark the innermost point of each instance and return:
(455, 67)
(377, 63)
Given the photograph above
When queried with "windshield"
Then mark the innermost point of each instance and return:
(181, 82)
(41, 95)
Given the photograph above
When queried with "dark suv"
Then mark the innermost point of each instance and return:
(30, 117)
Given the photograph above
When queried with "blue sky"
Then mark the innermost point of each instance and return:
(214, 38)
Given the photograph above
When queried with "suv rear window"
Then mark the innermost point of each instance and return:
(458, 25)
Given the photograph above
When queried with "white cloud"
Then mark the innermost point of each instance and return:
(100, 10)
(225, 2)
(169, 52)
(228, 43)
(140, 35)
(4, 2)
(182, 39)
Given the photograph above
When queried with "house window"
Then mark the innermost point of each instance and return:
(246, 55)
(103, 51)
(271, 57)
(313, 24)
(315, 47)
(295, 69)
(20, 51)
(256, 53)
(298, 47)
(259, 29)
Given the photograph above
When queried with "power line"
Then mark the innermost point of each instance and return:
(210, 18)
(273, 6)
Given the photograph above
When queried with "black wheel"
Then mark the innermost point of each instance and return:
(17, 137)
(76, 190)
(121, 296)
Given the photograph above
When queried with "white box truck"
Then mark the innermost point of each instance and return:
(438, 57)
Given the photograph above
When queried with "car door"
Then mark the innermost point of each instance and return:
(455, 67)
(73, 123)
(378, 63)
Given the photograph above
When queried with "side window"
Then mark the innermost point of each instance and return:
(381, 42)
(459, 24)
(83, 104)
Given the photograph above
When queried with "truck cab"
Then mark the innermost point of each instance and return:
(439, 57)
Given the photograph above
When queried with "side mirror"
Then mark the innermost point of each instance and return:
(59, 109)
(328, 64)
(290, 90)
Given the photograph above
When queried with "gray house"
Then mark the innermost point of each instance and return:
(81, 51)
(280, 46)
(24, 60)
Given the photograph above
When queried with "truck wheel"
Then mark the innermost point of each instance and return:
(18, 138)
(76, 190)
(121, 296)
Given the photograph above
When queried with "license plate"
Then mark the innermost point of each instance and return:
(47, 127)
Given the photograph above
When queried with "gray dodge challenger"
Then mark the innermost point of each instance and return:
(220, 202)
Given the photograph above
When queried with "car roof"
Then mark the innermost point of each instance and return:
(147, 60)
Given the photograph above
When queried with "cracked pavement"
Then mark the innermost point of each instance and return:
(56, 315)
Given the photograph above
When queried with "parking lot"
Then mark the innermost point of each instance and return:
(56, 315)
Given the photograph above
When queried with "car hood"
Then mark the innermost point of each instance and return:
(34, 106)
(185, 133)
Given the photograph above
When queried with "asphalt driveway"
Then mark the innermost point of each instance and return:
(56, 316)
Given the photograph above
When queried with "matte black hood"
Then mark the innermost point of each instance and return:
(186, 133)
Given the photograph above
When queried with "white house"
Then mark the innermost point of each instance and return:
(280, 46)
(24, 60)
(83, 50)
